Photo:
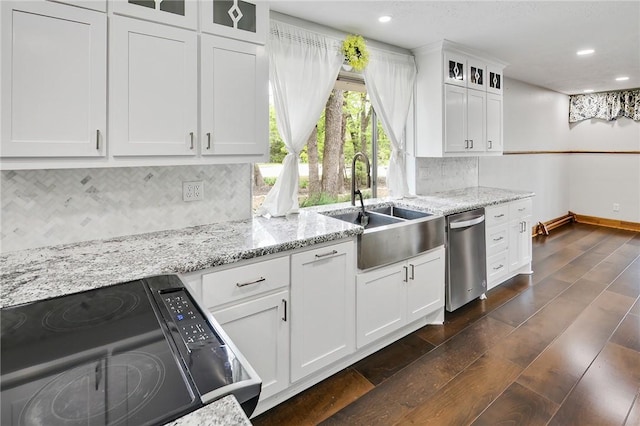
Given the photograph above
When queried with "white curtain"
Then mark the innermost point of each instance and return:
(303, 67)
(390, 78)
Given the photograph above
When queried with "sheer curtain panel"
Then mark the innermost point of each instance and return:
(390, 78)
(303, 67)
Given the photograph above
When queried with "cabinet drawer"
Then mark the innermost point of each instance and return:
(497, 239)
(496, 215)
(244, 281)
(520, 208)
(497, 267)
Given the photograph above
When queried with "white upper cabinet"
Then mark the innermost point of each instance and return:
(494, 80)
(240, 19)
(234, 97)
(180, 13)
(458, 102)
(153, 89)
(53, 80)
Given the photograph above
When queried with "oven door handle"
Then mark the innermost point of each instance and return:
(466, 223)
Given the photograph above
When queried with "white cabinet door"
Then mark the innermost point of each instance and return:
(476, 75)
(246, 20)
(425, 286)
(494, 122)
(53, 80)
(476, 120)
(180, 13)
(519, 234)
(455, 69)
(322, 308)
(380, 302)
(153, 89)
(455, 117)
(234, 97)
(494, 80)
(260, 330)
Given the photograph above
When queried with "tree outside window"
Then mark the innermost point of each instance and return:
(344, 128)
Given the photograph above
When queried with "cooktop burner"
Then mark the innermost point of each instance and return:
(103, 392)
(80, 314)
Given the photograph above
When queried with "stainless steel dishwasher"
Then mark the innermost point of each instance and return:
(466, 275)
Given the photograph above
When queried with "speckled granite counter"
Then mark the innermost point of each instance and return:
(223, 412)
(36, 274)
(441, 203)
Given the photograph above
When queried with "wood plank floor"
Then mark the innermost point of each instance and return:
(559, 347)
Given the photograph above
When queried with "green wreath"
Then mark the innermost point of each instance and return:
(355, 52)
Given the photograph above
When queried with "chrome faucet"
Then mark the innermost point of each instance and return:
(364, 219)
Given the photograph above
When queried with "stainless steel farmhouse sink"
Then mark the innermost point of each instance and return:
(394, 234)
(374, 221)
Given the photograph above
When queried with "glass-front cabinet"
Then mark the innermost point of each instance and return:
(180, 13)
(494, 84)
(240, 19)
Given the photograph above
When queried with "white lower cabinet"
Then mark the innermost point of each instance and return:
(390, 297)
(508, 240)
(519, 234)
(260, 329)
(251, 303)
(322, 308)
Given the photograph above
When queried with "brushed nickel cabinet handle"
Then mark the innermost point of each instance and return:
(490, 144)
(495, 268)
(259, 280)
(331, 253)
(98, 139)
(471, 140)
(406, 274)
(208, 140)
(191, 138)
(466, 144)
(413, 271)
(498, 239)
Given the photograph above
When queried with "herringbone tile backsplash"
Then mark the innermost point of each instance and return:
(47, 207)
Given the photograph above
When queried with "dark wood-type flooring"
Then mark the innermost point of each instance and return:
(559, 347)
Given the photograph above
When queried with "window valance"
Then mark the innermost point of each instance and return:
(606, 106)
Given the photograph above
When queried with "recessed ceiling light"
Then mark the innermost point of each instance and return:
(385, 18)
(622, 78)
(588, 90)
(585, 52)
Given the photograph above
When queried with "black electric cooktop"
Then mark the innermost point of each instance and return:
(124, 354)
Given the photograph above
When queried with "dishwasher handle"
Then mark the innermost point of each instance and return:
(466, 223)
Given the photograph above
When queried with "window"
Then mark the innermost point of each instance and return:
(347, 125)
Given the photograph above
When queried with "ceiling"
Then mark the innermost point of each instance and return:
(538, 39)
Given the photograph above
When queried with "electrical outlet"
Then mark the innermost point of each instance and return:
(192, 191)
(616, 207)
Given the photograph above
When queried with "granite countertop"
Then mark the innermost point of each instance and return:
(36, 274)
(440, 203)
(223, 412)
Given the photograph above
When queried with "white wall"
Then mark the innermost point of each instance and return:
(597, 181)
(535, 119)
